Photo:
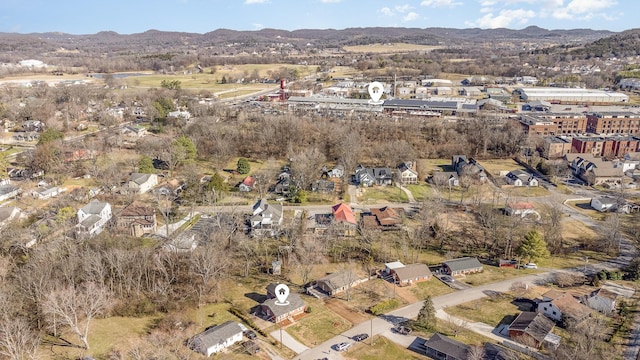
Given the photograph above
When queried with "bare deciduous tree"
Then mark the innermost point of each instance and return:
(17, 340)
(75, 307)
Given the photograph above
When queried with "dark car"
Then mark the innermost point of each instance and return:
(447, 278)
(250, 334)
(361, 337)
(403, 330)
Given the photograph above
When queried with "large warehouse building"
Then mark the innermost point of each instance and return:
(570, 95)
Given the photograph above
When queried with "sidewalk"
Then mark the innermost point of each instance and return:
(162, 230)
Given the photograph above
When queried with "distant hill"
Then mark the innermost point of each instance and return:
(626, 43)
(155, 40)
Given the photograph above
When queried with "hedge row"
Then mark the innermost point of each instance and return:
(384, 306)
(239, 313)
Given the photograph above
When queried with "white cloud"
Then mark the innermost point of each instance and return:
(249, 2)
(440, 3)
(583, 9)
(386, 11)
(412, 16)
(330, 1)
(403, 8)
(504, 18)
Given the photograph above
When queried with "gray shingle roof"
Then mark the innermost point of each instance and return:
(445, 345)
(215, 335)
(465, 263)
(533, 324)
(295, 302)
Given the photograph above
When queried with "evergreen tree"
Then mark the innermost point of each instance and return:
(533, 247)
(217, 184)
(427, 315)
(243, 166)
(145, 165)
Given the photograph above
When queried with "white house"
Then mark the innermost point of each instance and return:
(141, 183)
(408, 175)
(8, 191)
(46, 192)
(93, 217)
(521, 178)
(556, 304)
(604, 203)
(523, 209)
(266, 218)
(602, 300)
(216, 338)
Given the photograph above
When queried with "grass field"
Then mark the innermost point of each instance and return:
(428, 166)
(433, 287)
(492, 274)
(381, 349)
(317, 327)
(382, 195)
(389, 48)
(419, 191)
(525, 191)
(495, 166)
(492, 311)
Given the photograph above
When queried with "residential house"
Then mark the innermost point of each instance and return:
(141, 183)
(323, 186)
(46, 192)
(408, 175)
(93, 217)
(470, 168)
(216, 338)
(595, 171)
(440, 347)
(8, 214)
(266, 218)
(533, 329)
(247, 184)
(385, 218)
(337, 282)
(137, 220)
(523, 209)
(336, 172)
(521, 178)
(373, 176)
(343, 213)
(185, 115)
(558, 304)
(389, 267)
(8, 191)
(270, 310)
(411, 274)
(172, 187)
(602, 300)
(461, 266)
(134, 131)
(604, 203)
(33, 126)
(445, 178)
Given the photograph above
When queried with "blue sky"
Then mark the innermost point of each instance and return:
(200, 16)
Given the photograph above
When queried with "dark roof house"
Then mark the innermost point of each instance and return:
(532, 328)
(440, 347)
(462, 266)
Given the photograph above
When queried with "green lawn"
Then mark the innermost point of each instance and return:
(492, 274)
(491, 311)
(382, 349)
(433, 287)
(383, 194)
(419, 191)
(318, 326)
(526, 191)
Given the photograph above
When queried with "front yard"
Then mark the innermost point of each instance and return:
(318, 326)
(382, 195)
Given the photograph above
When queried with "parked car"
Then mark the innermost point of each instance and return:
(403, 330)
(447, 278)
(342, 346)
(250, 334)
(361, 337)
(530, 266)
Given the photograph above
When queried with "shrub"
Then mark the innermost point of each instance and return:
(240, 314)
(384, 306)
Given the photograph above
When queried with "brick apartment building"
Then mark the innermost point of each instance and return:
(606, 146)
(554, 123)
(613, 123)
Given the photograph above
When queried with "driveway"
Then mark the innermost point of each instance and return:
(289, 341)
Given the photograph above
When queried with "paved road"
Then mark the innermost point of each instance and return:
(383, 325)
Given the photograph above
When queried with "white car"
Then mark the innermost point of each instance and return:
(342, 346)
(530, 266)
